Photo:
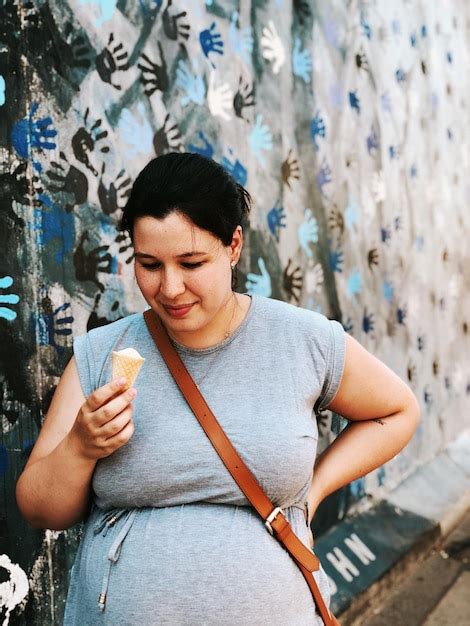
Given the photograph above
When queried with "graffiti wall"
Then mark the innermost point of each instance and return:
(347, 122)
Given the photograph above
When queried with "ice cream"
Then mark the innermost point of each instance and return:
(127, 363)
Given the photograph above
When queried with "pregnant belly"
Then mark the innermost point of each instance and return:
(191, 564)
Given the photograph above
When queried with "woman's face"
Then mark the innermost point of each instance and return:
(184, 273)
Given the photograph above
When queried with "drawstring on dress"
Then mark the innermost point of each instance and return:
(115, 550)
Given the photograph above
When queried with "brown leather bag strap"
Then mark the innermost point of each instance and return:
(274, 518)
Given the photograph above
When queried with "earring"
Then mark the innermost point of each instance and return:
(232, 265)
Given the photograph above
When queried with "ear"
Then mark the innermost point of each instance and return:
(237, 244)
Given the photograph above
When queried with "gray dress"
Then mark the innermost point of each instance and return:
(170, 538)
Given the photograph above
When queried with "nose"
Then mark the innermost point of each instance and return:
(172, 284)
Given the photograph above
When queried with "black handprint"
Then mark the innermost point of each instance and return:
(14, 186)
(94, 321)
(154, 77)
(73, 182)
(110, 61)
(302, 10)
(125, 244)
(172, 24)
(290, 169)
(167, 138)
(372, 257)
(361, 61)
(113, 197)
(292, 281)
(336, 220)
(52, 325)
(80, 52)
(84, 141)
(245, 97)
(88, 264)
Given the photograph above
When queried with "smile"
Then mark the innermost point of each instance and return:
(179, 311)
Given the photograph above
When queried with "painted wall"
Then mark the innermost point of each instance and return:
(348, 123)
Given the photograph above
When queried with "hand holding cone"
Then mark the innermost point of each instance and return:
(127, 363)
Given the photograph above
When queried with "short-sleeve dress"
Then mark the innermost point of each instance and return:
(170, 538)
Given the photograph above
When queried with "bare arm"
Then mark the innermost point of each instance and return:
(384, 415)
(55, 487)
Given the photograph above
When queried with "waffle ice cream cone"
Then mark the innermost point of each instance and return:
(127, 363)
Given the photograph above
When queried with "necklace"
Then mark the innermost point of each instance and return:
(227, 334)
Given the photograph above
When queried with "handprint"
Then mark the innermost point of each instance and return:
(290, 169)
(411, 372)
(273, 48)
(236, 169)
(385, 102)
(14, 186)
(207, 150)
(373, 141)
(302, 10)
(241, 40)
(245, 97)
(173, 25)
(351, 215)
(401, 314)
(72, 182)
(317, 129)
(354, 102)
(154, 77)
(260, 139)
(125, 244)
(421, 343)
(219, 99)
(354, 284)
(361, 61)
(308, 232)
(84, 141)
(388, 290)
(314, 277)
(379, 190)
(259, 284)
(136, 131)
(301, 61)
(88, 264)
(54, 225)
(50, 325)
(336, 220)
(323, 177)
(114, 197)
(427, 397)
(7, 298)
(96, 321)
(167, 138)
(191, 84)
(368, 323)
(276, 217)
(211, 41)
(30, 133)
(292, 281)
(336, 259)
(385, 234)
(110, 61)
(105, 8)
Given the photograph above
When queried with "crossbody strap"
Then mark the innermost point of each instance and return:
(273, 517)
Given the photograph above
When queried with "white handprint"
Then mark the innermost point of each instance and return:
(314, 277)
(219, 98)
(273, 49)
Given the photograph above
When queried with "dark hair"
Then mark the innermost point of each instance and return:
(193, 185)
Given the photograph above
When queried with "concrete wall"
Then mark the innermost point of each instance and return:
(348, 123)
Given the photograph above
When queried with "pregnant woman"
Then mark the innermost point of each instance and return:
(169, 538)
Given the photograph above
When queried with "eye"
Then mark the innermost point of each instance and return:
(192, 266)
(151, 266)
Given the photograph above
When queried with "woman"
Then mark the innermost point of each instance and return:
(169, 537)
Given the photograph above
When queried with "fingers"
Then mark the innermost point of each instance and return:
(115, 426)
(104, 394)
(114, 407)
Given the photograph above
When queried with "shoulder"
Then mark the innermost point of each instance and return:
(295, 317)
(102, 336)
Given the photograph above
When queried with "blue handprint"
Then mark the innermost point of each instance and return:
(106, 8)
(276, 217)
(301, 61)
(323, 177)
(354, 285)
(56, 224)
(136, 131)
(351, 215)
(260, 139)
(236, 169)
(29, 133)
(400, 75)
(2, 90)
(191, 84)
(366, 29)
(308, 232)
(373, 141)
(354, 102)
(8, 298)
(388, 290)
(207, 150)
(368, 323)
(336, 259)
(401, 314)
(385, 234)
(317, 128)
(259, 284)
(241, 40)
(211, 41)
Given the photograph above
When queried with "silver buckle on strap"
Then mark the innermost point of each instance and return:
(273, 516)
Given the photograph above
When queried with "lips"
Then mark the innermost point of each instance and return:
(178, 311)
